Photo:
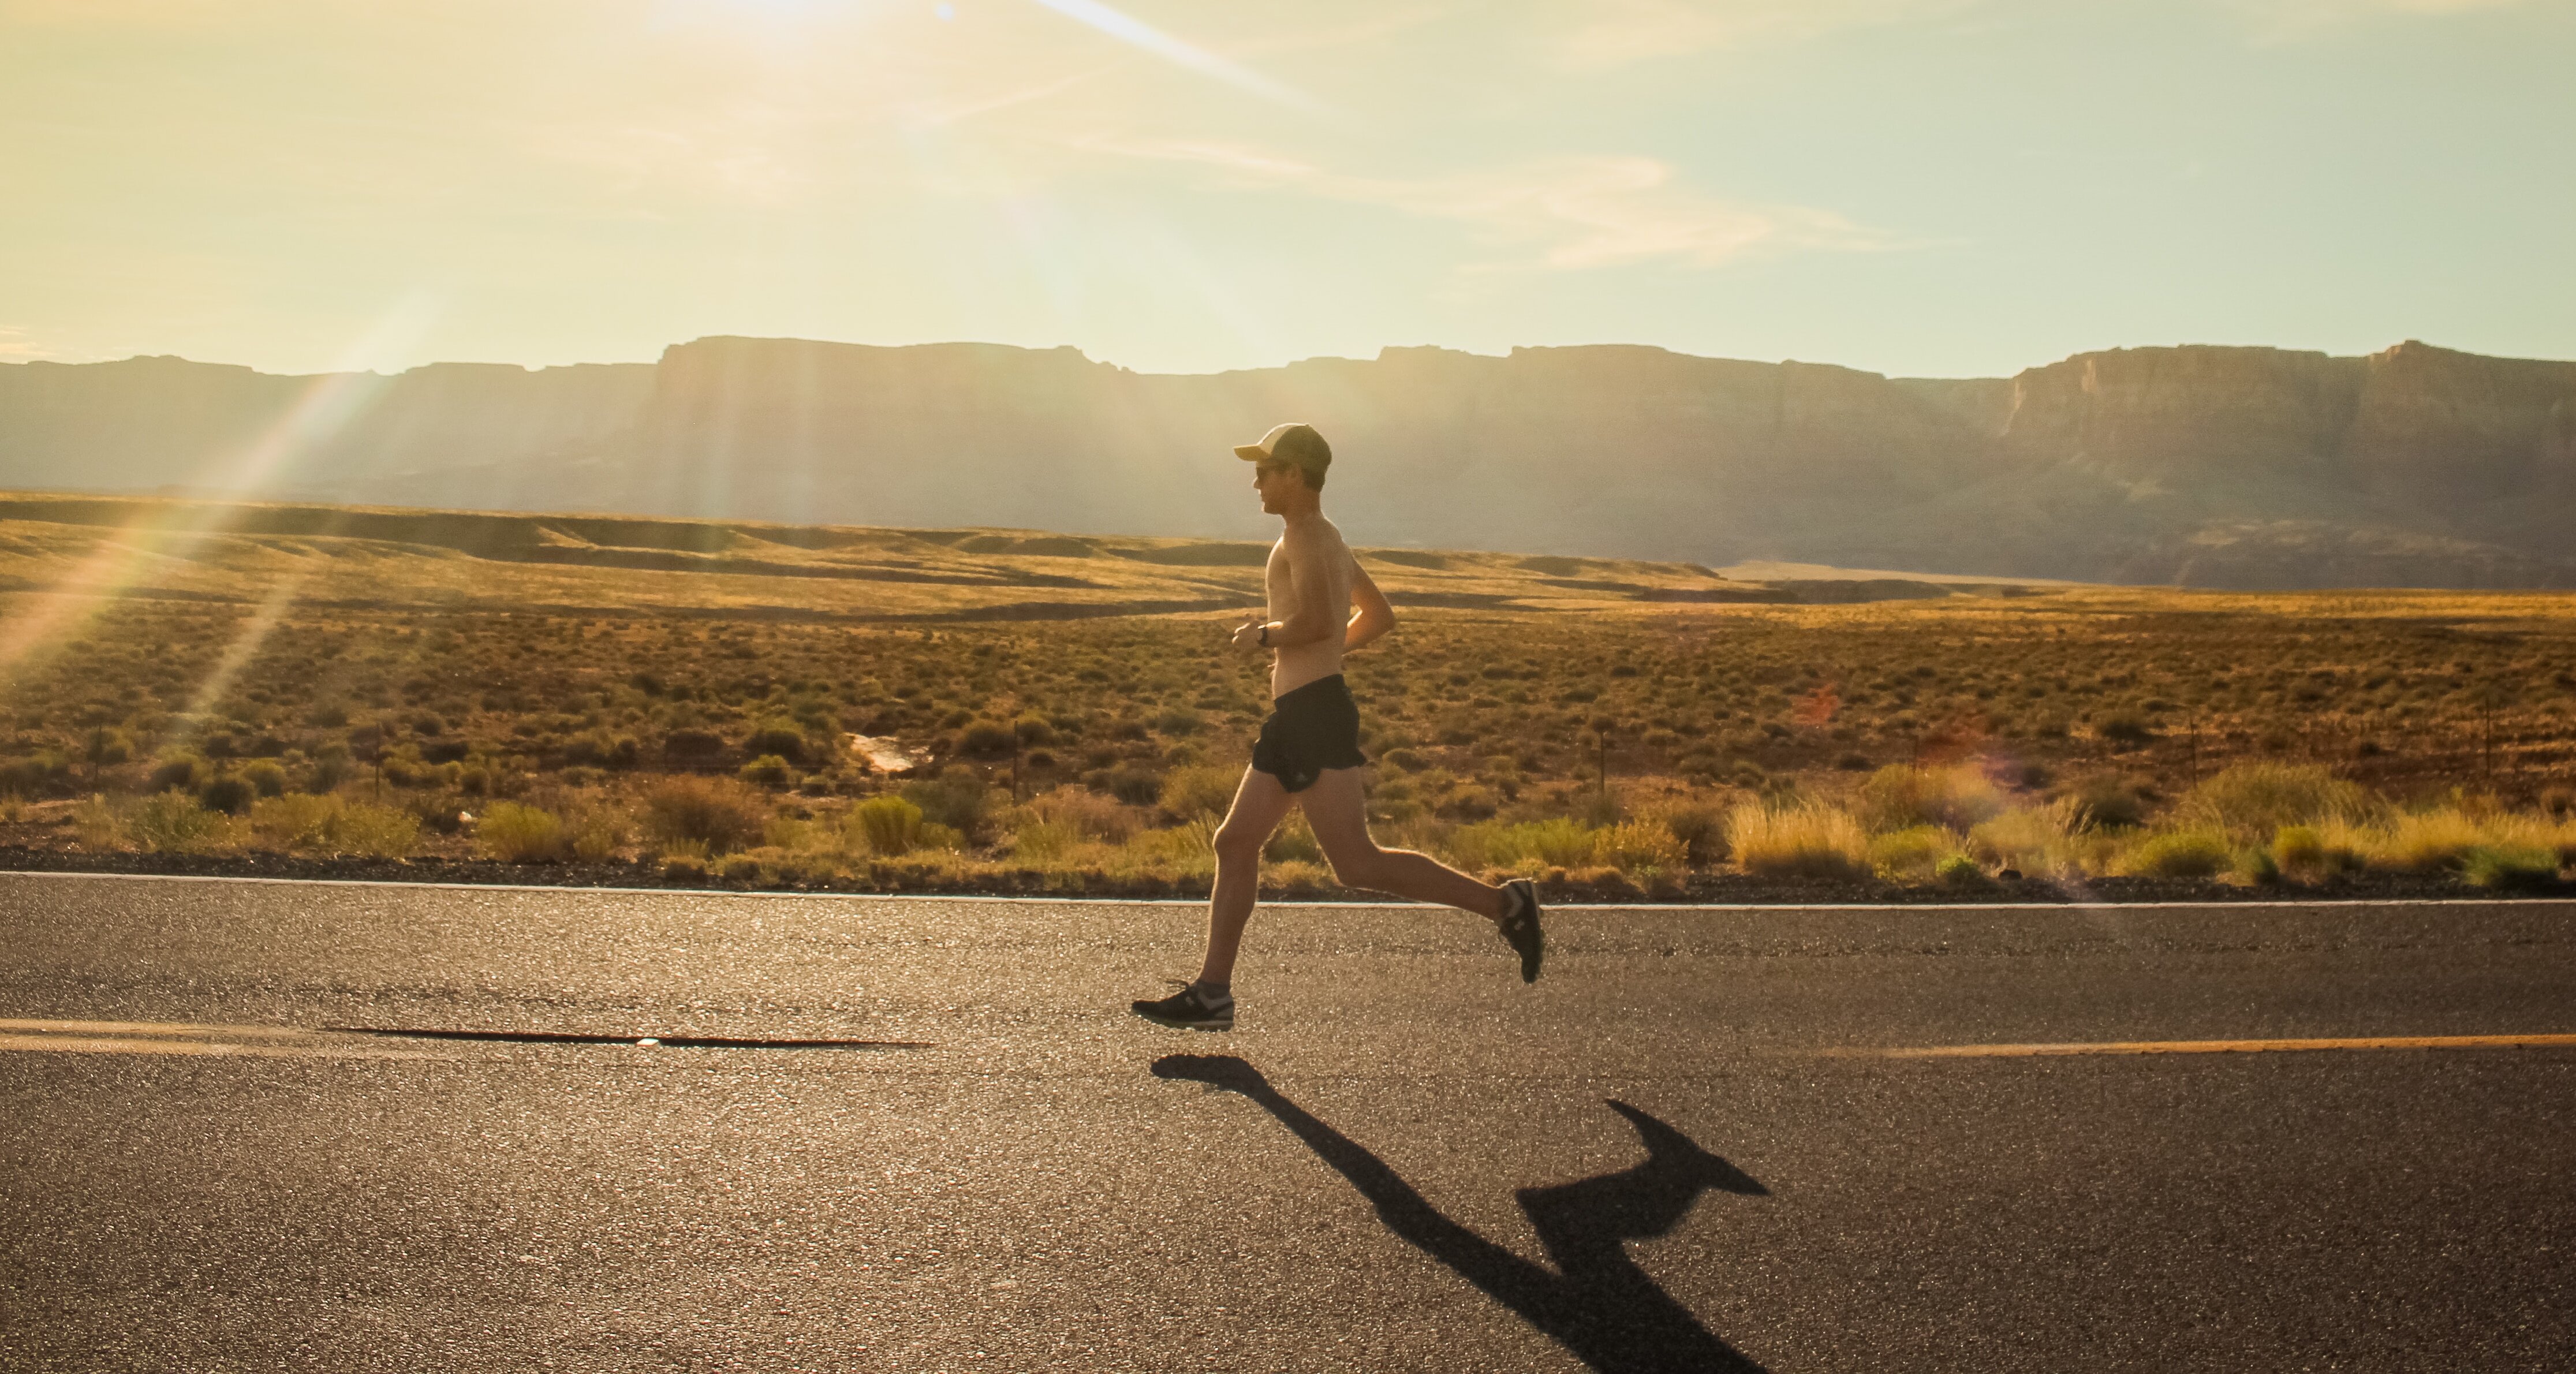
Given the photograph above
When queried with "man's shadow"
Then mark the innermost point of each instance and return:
(1596, 1302)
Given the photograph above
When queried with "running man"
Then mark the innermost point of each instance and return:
(1322, 605)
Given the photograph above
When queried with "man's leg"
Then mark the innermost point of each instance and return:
(1337, 810)
(1260, 803)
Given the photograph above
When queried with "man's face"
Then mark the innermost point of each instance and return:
(1276, 481)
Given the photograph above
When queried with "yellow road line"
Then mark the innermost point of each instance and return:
(76, 1044)
(150, 1028)
(2376, 1042)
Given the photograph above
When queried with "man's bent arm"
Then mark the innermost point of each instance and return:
(1371, 616)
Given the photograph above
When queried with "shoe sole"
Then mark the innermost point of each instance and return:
(1532, 959)
(1225, 1025)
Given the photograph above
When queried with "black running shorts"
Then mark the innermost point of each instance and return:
(1313, 728)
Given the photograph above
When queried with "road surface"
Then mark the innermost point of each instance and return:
(2295, 1137)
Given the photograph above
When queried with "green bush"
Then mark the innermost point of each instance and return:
(2105, 802)
(2180, 854)
(173, 823)
(1641, 847)
(230, 793)
(1808, 840)
(1914, 853)
(516, 834)
(768, 770)
(1959, 870)
(986, 739)
(777, 735)
(330, 825)
(1199, 789)
(265, 776)
(2250, 801)
(2510, 867)
(718, 813)
(1292, 842)
(1899, 797)
(957, 799)
(891, 826)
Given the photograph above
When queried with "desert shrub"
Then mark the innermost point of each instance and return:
(1899, 797)
(601, 749)
(1912, 854)
(596, 833)
(685, 860)
(2126, 728)
(2179, 854)
(100, 824)
(768, 770)
(1292, 842)
(32, 773)
(517, 834)
(332, 825)
(942, 837)
(2027, 839)
(1641, 846)
(265, 777)
(889, 826)
(1184, 850)
(1959, 870)
(331, 768)
(2107, 802)
(1701, 829)
(719, 813)
(779, 736)
(182, 771)
(957, 799)
(985, 739)
(1033, 730)
(1557, 843)
(1043, 841)
(2510, 867)
(2309, 852)
(230, 794)
(173, 823)
(1088, 814)
(1805, 840)
(2427, 841)
(1199, 789)
(2250, 801)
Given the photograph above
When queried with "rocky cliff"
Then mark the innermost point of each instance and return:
(2205, 466)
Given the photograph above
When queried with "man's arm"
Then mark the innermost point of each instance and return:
(1371, 616)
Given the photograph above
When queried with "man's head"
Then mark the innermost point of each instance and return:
(1292, 449)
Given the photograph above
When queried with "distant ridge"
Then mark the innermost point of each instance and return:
(2196, 466)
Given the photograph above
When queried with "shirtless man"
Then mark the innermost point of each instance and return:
(1322, 605)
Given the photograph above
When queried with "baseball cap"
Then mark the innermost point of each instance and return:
(1290, 443)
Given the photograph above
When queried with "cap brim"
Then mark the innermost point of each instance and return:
(1250, 453)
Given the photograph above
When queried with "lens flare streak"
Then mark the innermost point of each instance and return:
(1136, 33)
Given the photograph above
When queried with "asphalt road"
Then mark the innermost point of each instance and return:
(1685, 1148)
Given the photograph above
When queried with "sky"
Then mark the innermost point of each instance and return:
(1915, 187)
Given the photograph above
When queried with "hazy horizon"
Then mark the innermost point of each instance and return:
(1939, 188)
(1373, 354)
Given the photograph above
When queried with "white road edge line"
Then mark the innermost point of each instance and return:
(695, 893)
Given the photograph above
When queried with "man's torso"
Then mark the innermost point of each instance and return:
(1294, 667)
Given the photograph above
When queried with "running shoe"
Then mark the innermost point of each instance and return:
(1520, 926)
(1192, 1008)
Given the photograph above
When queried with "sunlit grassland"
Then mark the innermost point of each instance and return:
(177, 677)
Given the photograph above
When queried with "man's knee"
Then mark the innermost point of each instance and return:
(1237, 842)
